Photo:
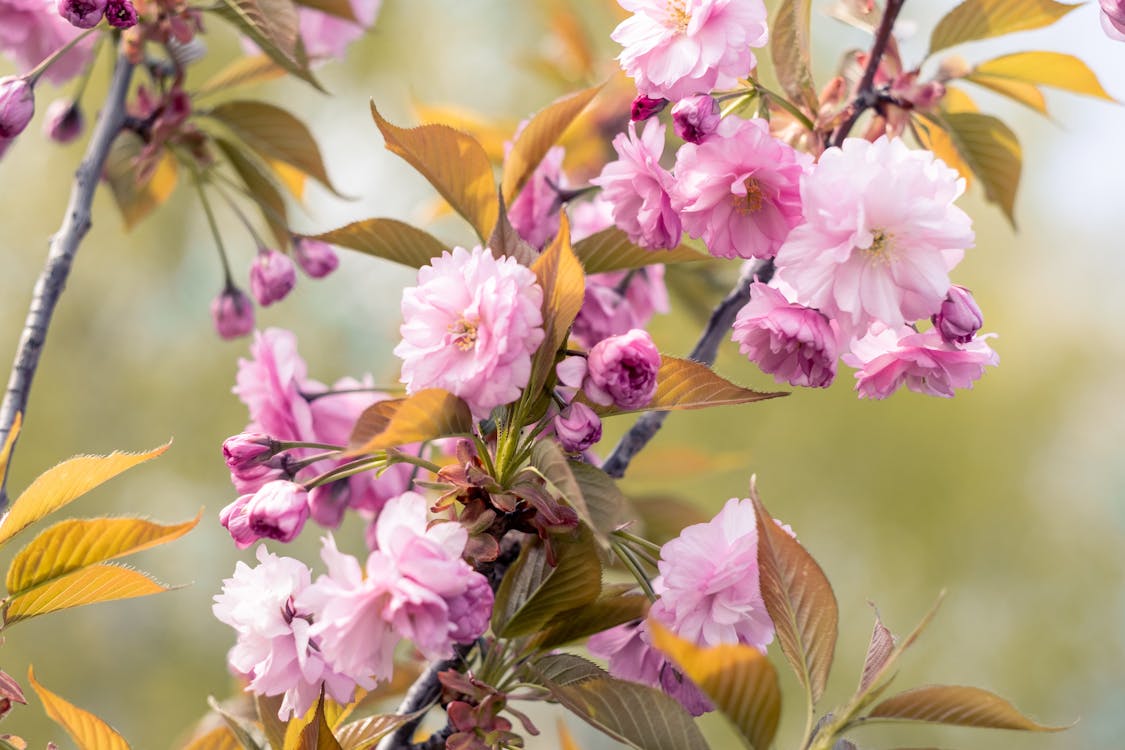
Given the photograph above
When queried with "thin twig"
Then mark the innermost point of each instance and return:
(60, 255)
(865, 95)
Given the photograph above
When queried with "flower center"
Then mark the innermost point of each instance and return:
(464, 334)
(882, 247)
(750, 203)
(677, 16)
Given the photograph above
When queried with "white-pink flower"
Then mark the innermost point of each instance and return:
(887, 358)
(470, 327)
(606, 311)
(638, 187)
(535, 211)
(32, 30)
(271, 384)
(708, 583)
(739, 189)
(794, 343)
(881, 235)
(676, 48)
(328, 36)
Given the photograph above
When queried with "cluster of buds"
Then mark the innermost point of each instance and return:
(474, 714)
(86, 14)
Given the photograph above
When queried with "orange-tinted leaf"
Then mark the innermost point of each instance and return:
(243, 728)
(137, 199)
(959, 705)
(425, 415)
(220, 738)
(64, 483)
(363, 734)
(453, 162)
(740, 680)
(90, 585)
(789, 49)
(88, 731)
(931, 135)
(611, 250)
(564, 286)
(566, 741)
(272, 26)
(241, 72)
(799, 600)
(267, 708)
(1053, 69)
(314, 734)
(687, 384)
(991, 150)
(386, 238)
(956, 100)
(984, 19)
(1023, 93)
(262, 186)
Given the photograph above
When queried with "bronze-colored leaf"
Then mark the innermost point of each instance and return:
(364, 734)
(564, 286)
(246, 732)
(992, 151)
(262, 187)
(611, 250)
(879, 650)
(313, 734)
(271, 25)
(88, 731)
(575, 624)
(789, 49)
(548, 458)
(687, 384)
(273, 727)
(985, 19)
(242, 71)
(606, 504)
(89, 585)
(506, 241)
(389, 239)
(137, 198)
(959, 705)
(425, 415)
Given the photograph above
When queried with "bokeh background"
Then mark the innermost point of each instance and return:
(1011, 497)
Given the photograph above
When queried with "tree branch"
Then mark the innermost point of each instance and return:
(705, 351)
(865, 95)
(60, 255)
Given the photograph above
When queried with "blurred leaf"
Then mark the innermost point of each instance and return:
(789, 50)
(606, 504)
(637, 715)
(955, 704)
(89, 585)
(956, 100)
(549, 459)
(533, 592)
(425, 415)
(137, 199)
(663, 518)
(220, 738)
(611, 250)
(687, 384)
(984, 19)
(315, 734)
(262, 186)
(879, 651)
(365, 733)
(267, 708)
(661, 464)
(272, 25)
(75, 544)
(453, 162)
(64, 483)
(799, 600)
(243, 731)
(991, 150)
(6, 450)
(88, 731)
(337, 8)
(540, 133)
(274, 133)
(488, 131)
(1023, 93)
(292, 178)
(242, 71)
(739, 680)
(931, 135)
(506, 241)
(564, 287)
(575, 624)
(566, 741)
(1053, 69)
(389, 239)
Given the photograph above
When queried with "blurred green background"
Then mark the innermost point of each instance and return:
(1011, 496)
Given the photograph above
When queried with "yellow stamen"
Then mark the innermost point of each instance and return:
(677, 16)
(750, 203)
(882, 247)
(464, 334)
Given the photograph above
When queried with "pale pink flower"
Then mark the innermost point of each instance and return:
(535, 211)
(676, 48)
(326, 36)
(887, 358)
(638, 187)
(708, 583)
(589, 217)
(470, 327)
(622, 370)
(881, 234)
(32, 30)
(795, 344)
(607, 312)
(739, 190)
(275, 649)
(271, 385)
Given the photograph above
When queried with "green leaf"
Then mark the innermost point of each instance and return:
(1053, 69)
(637, 715)
(985, 19)
(453, 162)
(388, 239)
(991, 150)
(262, 186)
(549, 459)
(739, 680)
(89, 585)
(64, 483)
(564, 286)
(540, 133)
(687, 384)
(575, 624)
(611, 250)
(75, 544)
(243, 71)
(88, 731)
(274, 133)
(1023, 93)
(272, 26)
(663, 518)
(136, 198)
(799, 600)
(606, 504)
(533, 592)
(425, 415)
(789, 50)
(958, 705)
(363, 734)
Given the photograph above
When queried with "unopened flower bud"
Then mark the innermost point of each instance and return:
(278, 510)
(250, 477)
(645, 107)
(85, 14)
(959, 318)
(65, 121)
(1115, 9)
(233, 313)
(327, 503)
(17, 105)
(578, 427)
(235, 520)
(120, 14)
(695, 118)
(622, 370)
(317, 259)
(272, 276)
(248, 449)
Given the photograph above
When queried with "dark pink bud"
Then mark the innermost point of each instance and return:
(235, 520)
(695, 118)
(120, 14)
(316, 258)
(1115, 9)
(17, 105)
(327, 503)
(622, 370)
(65, 121)
(233, 313)
(248, 449)
(578, 427)
(278, 511)
(645, 107)
(85, 14)
(959, 318)
(272, 276)
(251, 477)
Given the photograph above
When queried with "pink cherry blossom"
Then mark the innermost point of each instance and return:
(638, 187)
(622, 370)
(317, 259)
(795, 344)
(272, 276)
(470, 327)
(676, 48)
(739, 190)
(577, 427)
(959, 318)
(32, 30)
(535, 211)
(232, 312)
(881, 234)
(589, 217)
(607, 312)
(17, 105)
(327, 36)
(1113, 19)
(270, 383)
(84, 14)
(696, 117)
(887, 358)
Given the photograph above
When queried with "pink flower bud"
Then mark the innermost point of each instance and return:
(235, 520)
(251, 477)
(317, 259)
(248, 449)
(622, 370)
(120, 14)
(233, 313)
(1115, 9)
(327, 503)
(85, 14)
(278, 510)
(959, 318)
(17, 105)
(65, 121)
(645, 107)
(272, 276)
(578, 427)
(695, 118)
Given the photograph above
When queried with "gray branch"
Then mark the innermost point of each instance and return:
(60, 255)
